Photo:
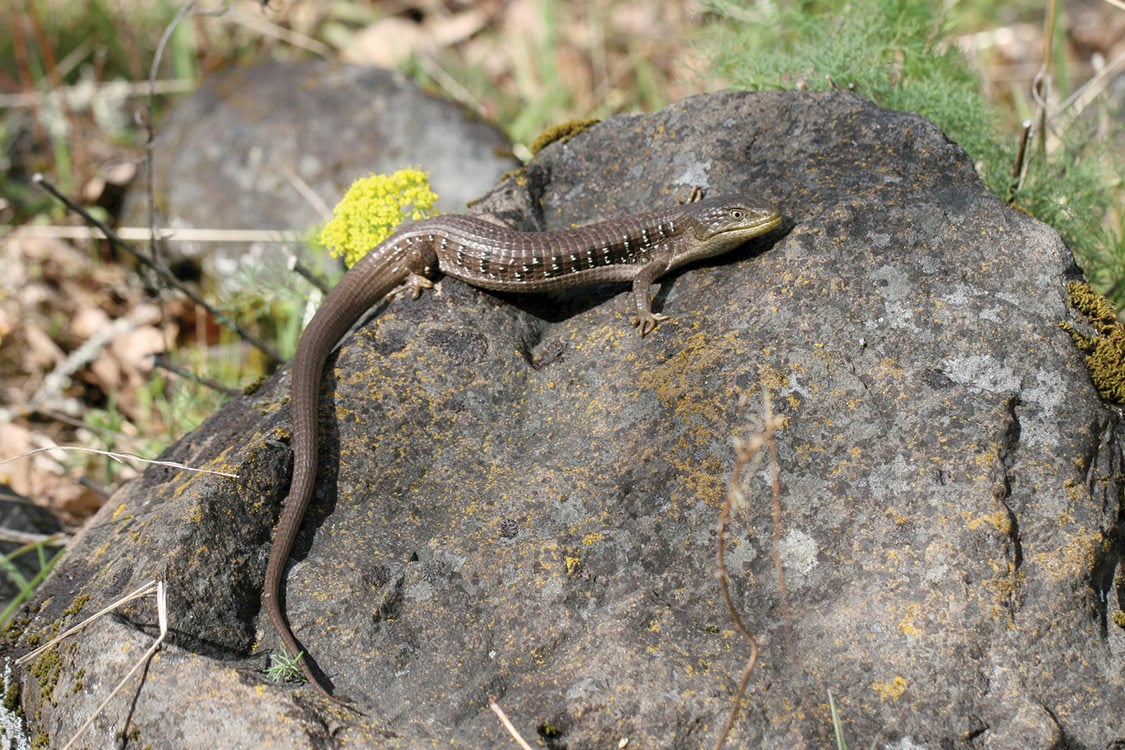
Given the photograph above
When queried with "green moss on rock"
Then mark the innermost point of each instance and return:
(1105, 349)
(12, 697)
(562, 133)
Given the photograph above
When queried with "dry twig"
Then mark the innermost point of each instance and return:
(151, 587)
(748, 457)
(506, 723)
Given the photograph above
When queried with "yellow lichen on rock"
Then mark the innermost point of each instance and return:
(890, 691)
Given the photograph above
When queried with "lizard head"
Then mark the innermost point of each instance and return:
(721, 224)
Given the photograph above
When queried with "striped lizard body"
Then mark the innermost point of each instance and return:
(639, 249)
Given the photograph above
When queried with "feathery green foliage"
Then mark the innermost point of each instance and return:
(890, 51)
(898, 53)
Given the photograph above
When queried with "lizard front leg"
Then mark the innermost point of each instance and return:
(645, 320)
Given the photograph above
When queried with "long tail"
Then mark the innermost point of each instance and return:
(375, 276)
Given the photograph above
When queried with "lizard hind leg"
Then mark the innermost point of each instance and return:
(414, 284)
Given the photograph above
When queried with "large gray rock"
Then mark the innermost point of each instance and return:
(519, 497)
(233, 154)
(20, 516)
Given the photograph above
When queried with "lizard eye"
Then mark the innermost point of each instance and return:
(737, 214)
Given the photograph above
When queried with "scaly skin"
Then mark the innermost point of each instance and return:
(639, 249)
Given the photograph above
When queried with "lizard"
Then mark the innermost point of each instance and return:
(639, 248)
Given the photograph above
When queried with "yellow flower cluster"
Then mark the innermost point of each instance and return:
(371, 210)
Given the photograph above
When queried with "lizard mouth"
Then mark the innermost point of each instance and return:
(756, 223)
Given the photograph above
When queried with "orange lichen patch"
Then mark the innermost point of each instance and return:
(573, 563)
(1073, 560)
(907, 624)
(998, 520)
(890, 691)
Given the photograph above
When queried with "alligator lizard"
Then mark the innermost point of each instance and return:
(639, 248)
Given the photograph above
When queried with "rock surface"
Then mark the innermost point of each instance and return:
(20, 516)
(233, 155)
(519, 497)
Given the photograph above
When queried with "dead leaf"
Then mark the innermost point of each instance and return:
(392, 40)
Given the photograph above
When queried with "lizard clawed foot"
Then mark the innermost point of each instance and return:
(647, 323)
(414, 284)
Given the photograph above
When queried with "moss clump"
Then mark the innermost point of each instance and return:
(1094, 306)
(14, 629)
(252, 387)
(1119, 618)
(1105, 350)
(562, 133)
(46, 670)
(372, 209)
(12, 697)
(77, 605)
